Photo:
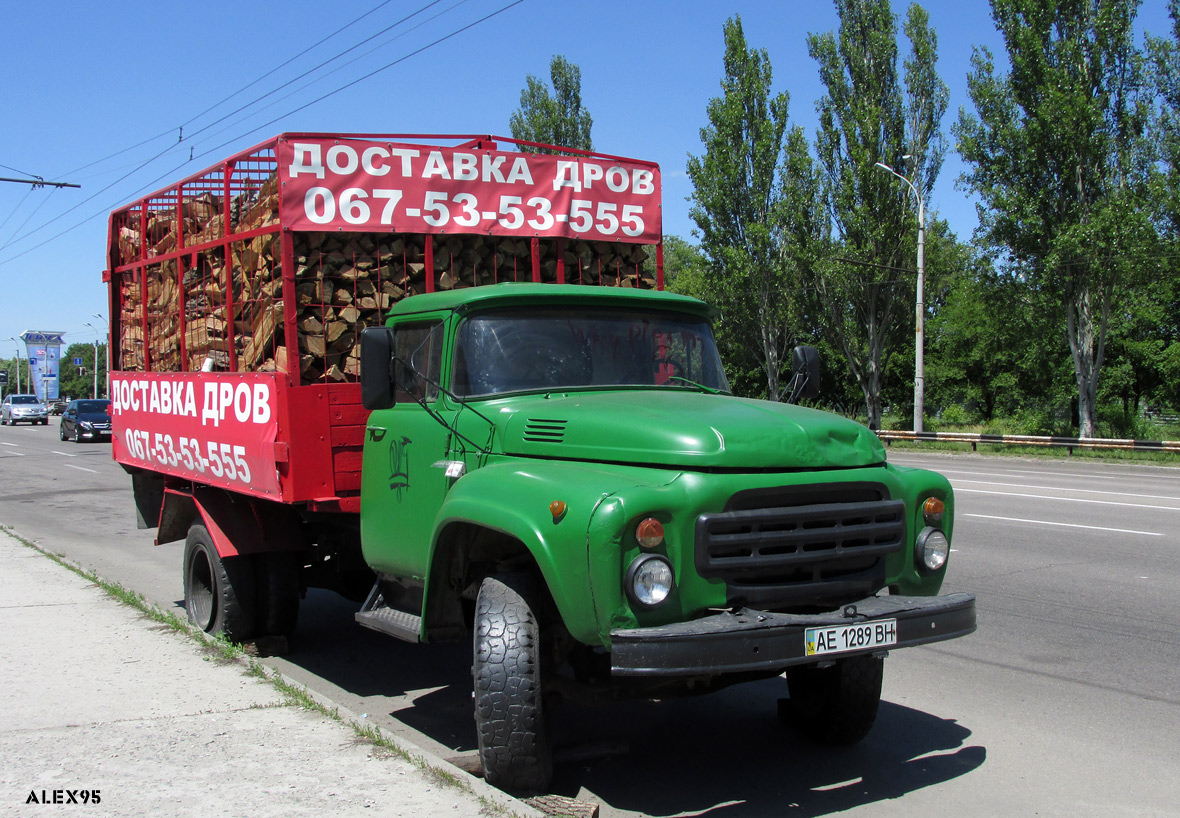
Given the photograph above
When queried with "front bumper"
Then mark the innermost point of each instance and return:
(759, 640)
(30, 417)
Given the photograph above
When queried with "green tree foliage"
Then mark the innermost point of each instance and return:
(754, 204)
(1153, 311)
(996, 351)
(1058, 155)
(557, 119)
(75, 385)
(70, 382)
(865, 118)
(1164, 55)
(683, 262)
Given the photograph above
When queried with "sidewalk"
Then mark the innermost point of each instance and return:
(104, 705)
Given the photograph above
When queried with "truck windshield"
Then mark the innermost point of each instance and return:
(536, 350)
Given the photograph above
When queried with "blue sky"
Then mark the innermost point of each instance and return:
(86, 80)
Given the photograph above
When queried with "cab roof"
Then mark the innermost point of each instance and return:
(510, 294)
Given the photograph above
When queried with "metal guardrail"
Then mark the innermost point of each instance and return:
(1070, 443)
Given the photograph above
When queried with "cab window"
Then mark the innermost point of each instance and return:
(418, 349)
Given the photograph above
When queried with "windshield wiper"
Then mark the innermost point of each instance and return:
(706, 389)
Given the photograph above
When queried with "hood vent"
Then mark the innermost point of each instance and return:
(541, 430)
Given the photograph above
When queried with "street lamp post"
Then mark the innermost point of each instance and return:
(95, 395)
(17, 363)
(106, 332)
(920, 310)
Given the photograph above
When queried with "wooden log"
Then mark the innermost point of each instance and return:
(262, 337)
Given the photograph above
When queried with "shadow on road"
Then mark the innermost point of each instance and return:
(725, 754)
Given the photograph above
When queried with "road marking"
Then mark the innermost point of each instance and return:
(17, 454)
(80, 468)
(1064, 488)
(2, 443)
(1065, 525)
(1066, 499)
(64, 454)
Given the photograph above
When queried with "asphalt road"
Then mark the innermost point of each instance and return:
(1065, 702)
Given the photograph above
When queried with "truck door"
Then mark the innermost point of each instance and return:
(402, 487)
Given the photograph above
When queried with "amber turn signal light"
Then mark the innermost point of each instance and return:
(557, 509)
(650, 533)
(932, 510)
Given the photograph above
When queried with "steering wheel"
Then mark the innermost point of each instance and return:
(650, 366)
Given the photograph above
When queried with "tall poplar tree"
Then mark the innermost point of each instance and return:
(752, 173)
(866, 289)
(557, 119)
(1058, 156)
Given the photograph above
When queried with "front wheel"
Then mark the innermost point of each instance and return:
(835, 705)
(219, 593)
(509, 710)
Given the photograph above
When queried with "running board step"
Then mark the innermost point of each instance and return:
(399, 624)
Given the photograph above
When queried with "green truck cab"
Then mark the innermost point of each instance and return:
(561, 473)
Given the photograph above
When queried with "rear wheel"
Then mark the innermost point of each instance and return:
(61, 432)
(835, 705)
(219, 593)
(509, 710)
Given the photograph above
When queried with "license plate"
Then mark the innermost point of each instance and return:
(844, 638)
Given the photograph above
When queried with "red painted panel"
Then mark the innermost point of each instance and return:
(366, 185)
(216, 429)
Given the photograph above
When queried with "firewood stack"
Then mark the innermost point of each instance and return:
(344, 282)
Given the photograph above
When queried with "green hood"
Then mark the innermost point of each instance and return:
(685, 429)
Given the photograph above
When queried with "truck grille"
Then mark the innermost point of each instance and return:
(801, 547)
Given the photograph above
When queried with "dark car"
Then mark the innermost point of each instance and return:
(86, 420)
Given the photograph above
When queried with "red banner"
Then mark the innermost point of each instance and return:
(333, 184)
(213, 429)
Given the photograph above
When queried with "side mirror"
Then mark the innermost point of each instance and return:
(376, 357)
(805, 374)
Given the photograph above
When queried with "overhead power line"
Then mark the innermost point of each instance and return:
(174, 146)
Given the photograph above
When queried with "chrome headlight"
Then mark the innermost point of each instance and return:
(649, 580)
(932, 549)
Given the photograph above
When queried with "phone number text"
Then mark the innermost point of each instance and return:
(222, 460)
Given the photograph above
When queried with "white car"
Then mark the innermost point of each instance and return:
(23, 409)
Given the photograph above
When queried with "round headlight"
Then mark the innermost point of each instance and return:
(649, 580)
(932, 549)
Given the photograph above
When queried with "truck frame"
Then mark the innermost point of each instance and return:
(376, 364)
